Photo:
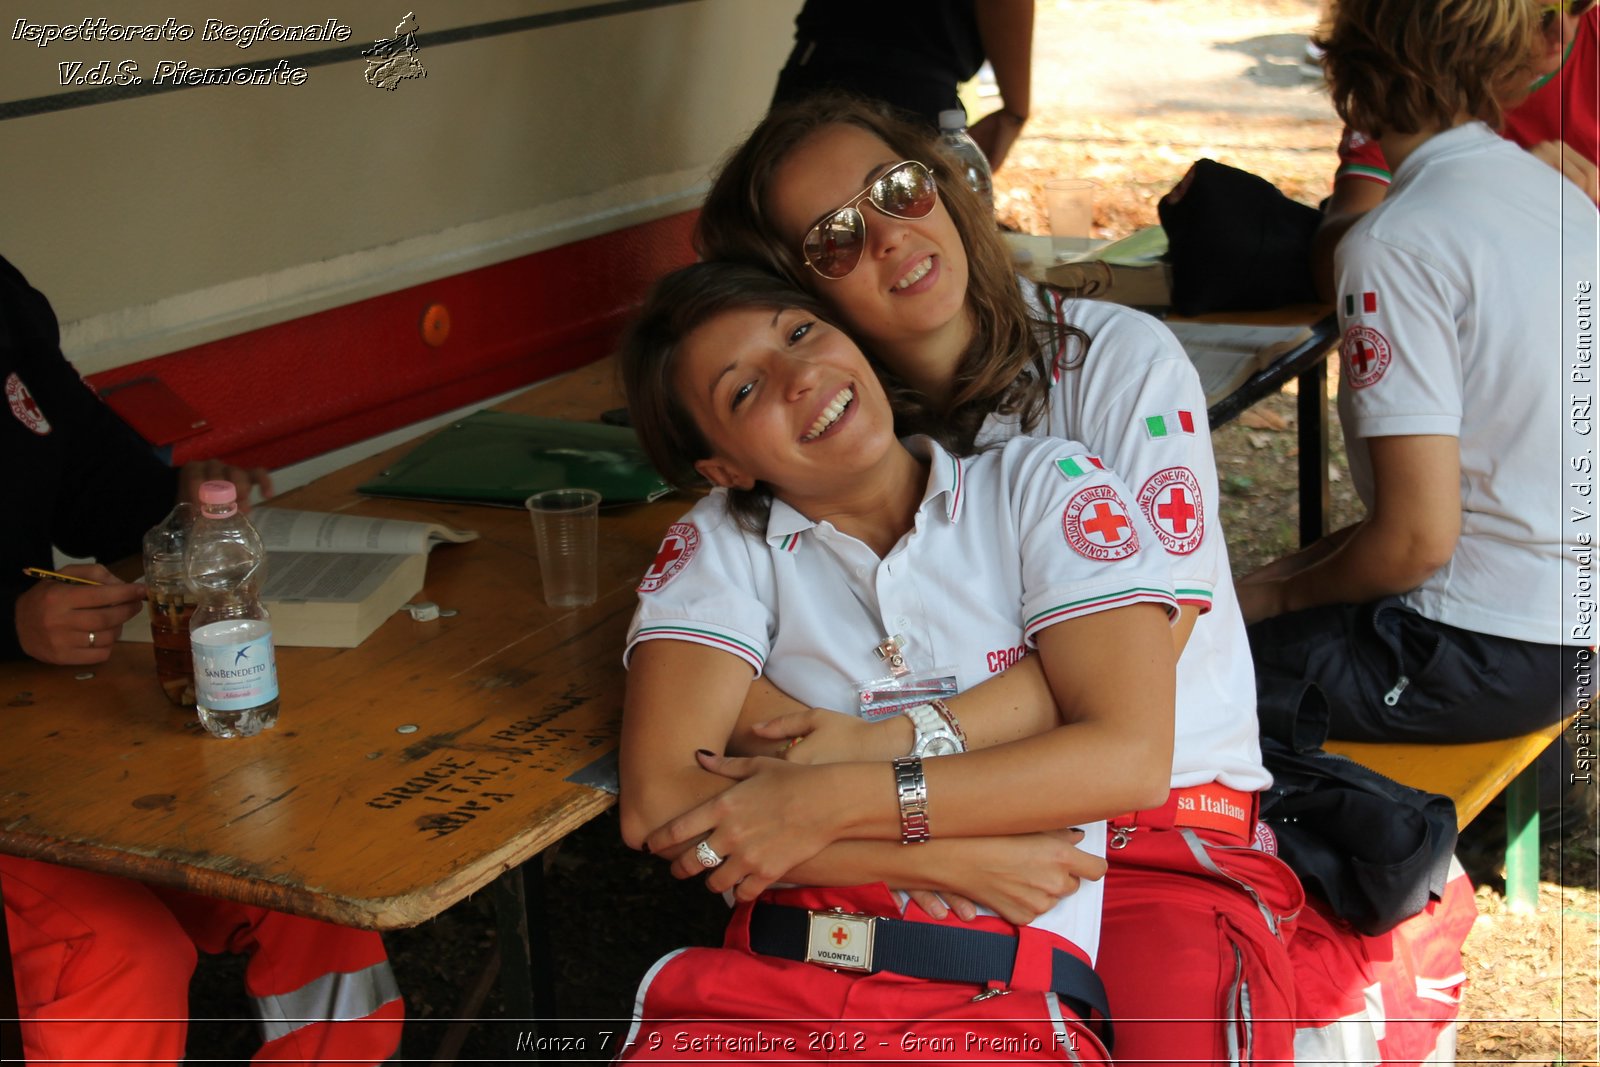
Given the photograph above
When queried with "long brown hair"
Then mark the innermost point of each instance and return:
(1408, 65)
(679, 304)
(1005, 368)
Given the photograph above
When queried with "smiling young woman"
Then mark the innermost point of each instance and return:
(828, 544)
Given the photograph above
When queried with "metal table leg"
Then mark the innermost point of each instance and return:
(524, 939)
(1522, 840)
(1315, 502)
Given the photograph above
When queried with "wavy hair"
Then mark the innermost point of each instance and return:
(1410, 65)
(679, 304)
(1005, 368)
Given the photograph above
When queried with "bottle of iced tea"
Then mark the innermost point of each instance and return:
(170, 603)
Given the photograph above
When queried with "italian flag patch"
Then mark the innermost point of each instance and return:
(1368, 303)
(1078, 466)
(1169, 423)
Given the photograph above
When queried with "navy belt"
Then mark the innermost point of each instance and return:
(927, 950)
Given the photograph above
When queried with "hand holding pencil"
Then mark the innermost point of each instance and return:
(75, 622)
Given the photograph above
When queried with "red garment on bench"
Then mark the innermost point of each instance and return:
(1382, 1000)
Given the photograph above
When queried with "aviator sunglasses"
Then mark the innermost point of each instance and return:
(833, 246)
(1571, 8)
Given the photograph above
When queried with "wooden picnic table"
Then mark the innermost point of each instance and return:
(402, 775)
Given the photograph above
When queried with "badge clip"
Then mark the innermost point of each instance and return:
(892, 651)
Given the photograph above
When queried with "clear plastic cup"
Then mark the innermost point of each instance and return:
(566, 528)
(1070, 202)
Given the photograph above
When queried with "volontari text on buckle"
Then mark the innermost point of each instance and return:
(837, 938)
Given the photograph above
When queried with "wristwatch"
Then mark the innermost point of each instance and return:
(912, 788)
(938, 733)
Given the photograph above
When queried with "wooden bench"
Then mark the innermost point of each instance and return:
(1471, 775)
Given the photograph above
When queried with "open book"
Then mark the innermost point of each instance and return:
(333, 579)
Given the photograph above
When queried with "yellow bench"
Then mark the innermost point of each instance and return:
(1471, 775)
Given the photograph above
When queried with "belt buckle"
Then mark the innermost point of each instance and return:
(840, 939)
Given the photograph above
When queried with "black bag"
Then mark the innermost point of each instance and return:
(1374, 849)
(1235, 242)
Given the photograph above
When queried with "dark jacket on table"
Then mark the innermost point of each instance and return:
(74, 475)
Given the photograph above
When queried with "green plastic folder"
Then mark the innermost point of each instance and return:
(494, 457)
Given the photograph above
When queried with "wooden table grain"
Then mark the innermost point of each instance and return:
(402, 775)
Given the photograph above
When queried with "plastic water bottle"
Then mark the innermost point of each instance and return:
(235, 667)
(969, 158)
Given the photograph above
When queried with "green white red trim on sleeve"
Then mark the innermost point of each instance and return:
(1098, 602)
(698, 636)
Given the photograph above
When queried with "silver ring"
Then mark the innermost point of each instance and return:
(91, 638)
(707, 856)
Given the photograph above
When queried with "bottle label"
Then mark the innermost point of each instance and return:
(235, 665)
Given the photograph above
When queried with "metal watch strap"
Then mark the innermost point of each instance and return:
(912, 787)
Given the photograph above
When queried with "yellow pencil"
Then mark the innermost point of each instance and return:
(56, 576)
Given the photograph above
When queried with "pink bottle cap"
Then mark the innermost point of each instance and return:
(217, 494)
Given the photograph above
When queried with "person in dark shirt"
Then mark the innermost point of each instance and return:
(103, 964)
(76, 477)
(913, 59)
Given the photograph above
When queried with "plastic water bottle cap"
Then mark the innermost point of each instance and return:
(218, 492)
(954, 119)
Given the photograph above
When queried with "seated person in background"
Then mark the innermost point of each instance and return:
(1553, 115)
(103, 964)
(1438, 616)
(832, 543)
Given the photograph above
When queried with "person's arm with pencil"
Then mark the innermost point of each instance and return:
(77, 478)
(73, 624)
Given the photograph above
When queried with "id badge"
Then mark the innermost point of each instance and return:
(879, 698)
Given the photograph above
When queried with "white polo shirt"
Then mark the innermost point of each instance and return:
(1457, 320)
(1136, 400)
(1004, 545)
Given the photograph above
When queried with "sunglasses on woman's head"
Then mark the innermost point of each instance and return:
(1571, 8)
(832, 247)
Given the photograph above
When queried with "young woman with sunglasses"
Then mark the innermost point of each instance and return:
(862, 211)
(1558, 120)
(830, 543)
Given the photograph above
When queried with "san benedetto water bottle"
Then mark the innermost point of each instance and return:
(235, 670)
(973, 164)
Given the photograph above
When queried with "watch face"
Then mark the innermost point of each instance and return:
(940, 746)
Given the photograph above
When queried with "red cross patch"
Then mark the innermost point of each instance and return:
(1097, 525)
(1366, 355)
(1266, 841)
(24, 407)
(677, 549)
(840, 935)
(1170, 499)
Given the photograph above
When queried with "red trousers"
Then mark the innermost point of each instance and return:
(731, 1005)
(1193, 947)
(103, 966)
